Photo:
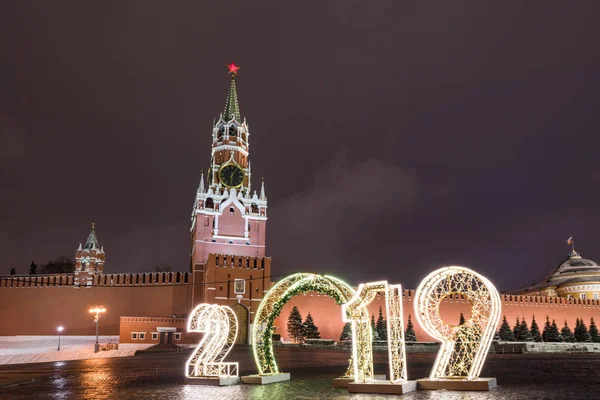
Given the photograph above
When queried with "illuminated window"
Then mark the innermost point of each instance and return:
(595, 296)
(582, 296)
(569, 296)
(177, 336)
(134, 336)
(154, 335)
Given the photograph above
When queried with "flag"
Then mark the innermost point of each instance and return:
(570, 241)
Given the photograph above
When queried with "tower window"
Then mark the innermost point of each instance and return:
(209, 203)
(231, 210)
(232, 130)
(254, 208)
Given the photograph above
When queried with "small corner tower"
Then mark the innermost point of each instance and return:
(89, 260)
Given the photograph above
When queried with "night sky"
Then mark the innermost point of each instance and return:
(394, 137)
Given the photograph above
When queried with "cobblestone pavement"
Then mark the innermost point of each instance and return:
(161, 376)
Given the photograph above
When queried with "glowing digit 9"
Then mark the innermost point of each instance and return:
(355, 312)
(219, 325)
(464, 347)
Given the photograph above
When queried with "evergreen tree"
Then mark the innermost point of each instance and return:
(547, 328)
(517, 329)
(295, 327)
(461, 320)
(524, 333)
(409, 334)
(581, 332)
(33, 268)
(346, 332)
(567, 335)
(381, 326)
(553, 334)
(594, 334)
(373, 328)
(535, 330)
(13, 271)
(505, 333)
(311, 331)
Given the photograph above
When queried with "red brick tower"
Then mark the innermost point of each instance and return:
(89, 260)
(229, 218)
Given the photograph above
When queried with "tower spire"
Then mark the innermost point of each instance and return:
(232, 107)
(201, 186)
(262, 190)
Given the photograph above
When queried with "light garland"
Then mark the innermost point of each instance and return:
(219, 325)
(272, 304)
(355, 311)
(464, 347)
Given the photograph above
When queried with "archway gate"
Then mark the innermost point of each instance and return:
(272, 304)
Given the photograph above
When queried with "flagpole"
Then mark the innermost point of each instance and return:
(572, 244)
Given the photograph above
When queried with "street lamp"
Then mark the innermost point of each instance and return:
(97, 311)
(59, 329)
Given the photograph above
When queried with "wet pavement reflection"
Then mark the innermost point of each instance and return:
(160, 376)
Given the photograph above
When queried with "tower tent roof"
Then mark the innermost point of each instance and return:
(92, 240)
(232, 107)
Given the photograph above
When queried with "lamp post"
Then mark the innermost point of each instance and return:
(97, 311)
(59, 330)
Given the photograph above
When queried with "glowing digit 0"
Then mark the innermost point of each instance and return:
(219, 325)
(355, 312)
(464, 347)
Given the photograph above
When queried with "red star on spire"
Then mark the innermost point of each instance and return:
(233, 68)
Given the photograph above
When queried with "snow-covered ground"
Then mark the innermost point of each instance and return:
(31, 349)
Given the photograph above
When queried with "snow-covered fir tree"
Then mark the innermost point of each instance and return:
(594, 334)
(461, 319)
(311, 331)
(295, 327)
(517, 329)
(373, 328)
(381, 326)
(409, 334)
(566, 333)
(505, 333)
(346, 332)
(547, 328)
(581, 332)
(553, 333)
(535, 330)
(524, 332)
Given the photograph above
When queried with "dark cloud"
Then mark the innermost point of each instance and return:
(393, 137)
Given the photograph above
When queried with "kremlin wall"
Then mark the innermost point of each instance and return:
(229, 266)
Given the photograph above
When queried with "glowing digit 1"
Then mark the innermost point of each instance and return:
(464, 347)
(219, 325)
(355, 312)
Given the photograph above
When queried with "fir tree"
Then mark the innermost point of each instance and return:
(505, 333)
(461, 320)
(524, 333)
(567, 335)
(409, 334)
(535, 330)
(581, 332)
(373, 328)
(381, 326)
(311, 331)
(13, 271)
(547, 328)
(295, 327)
(594, 334)
(553, 334)
(517, 329)
(346, 332)
(32, 268)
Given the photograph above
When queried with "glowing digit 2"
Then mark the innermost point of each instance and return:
(219, 325)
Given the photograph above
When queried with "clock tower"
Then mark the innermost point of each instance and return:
(229, 216)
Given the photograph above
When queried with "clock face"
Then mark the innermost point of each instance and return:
(231, 175)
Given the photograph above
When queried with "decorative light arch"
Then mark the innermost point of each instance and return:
(272, 304)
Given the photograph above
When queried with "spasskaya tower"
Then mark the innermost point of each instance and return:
(228, 217)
